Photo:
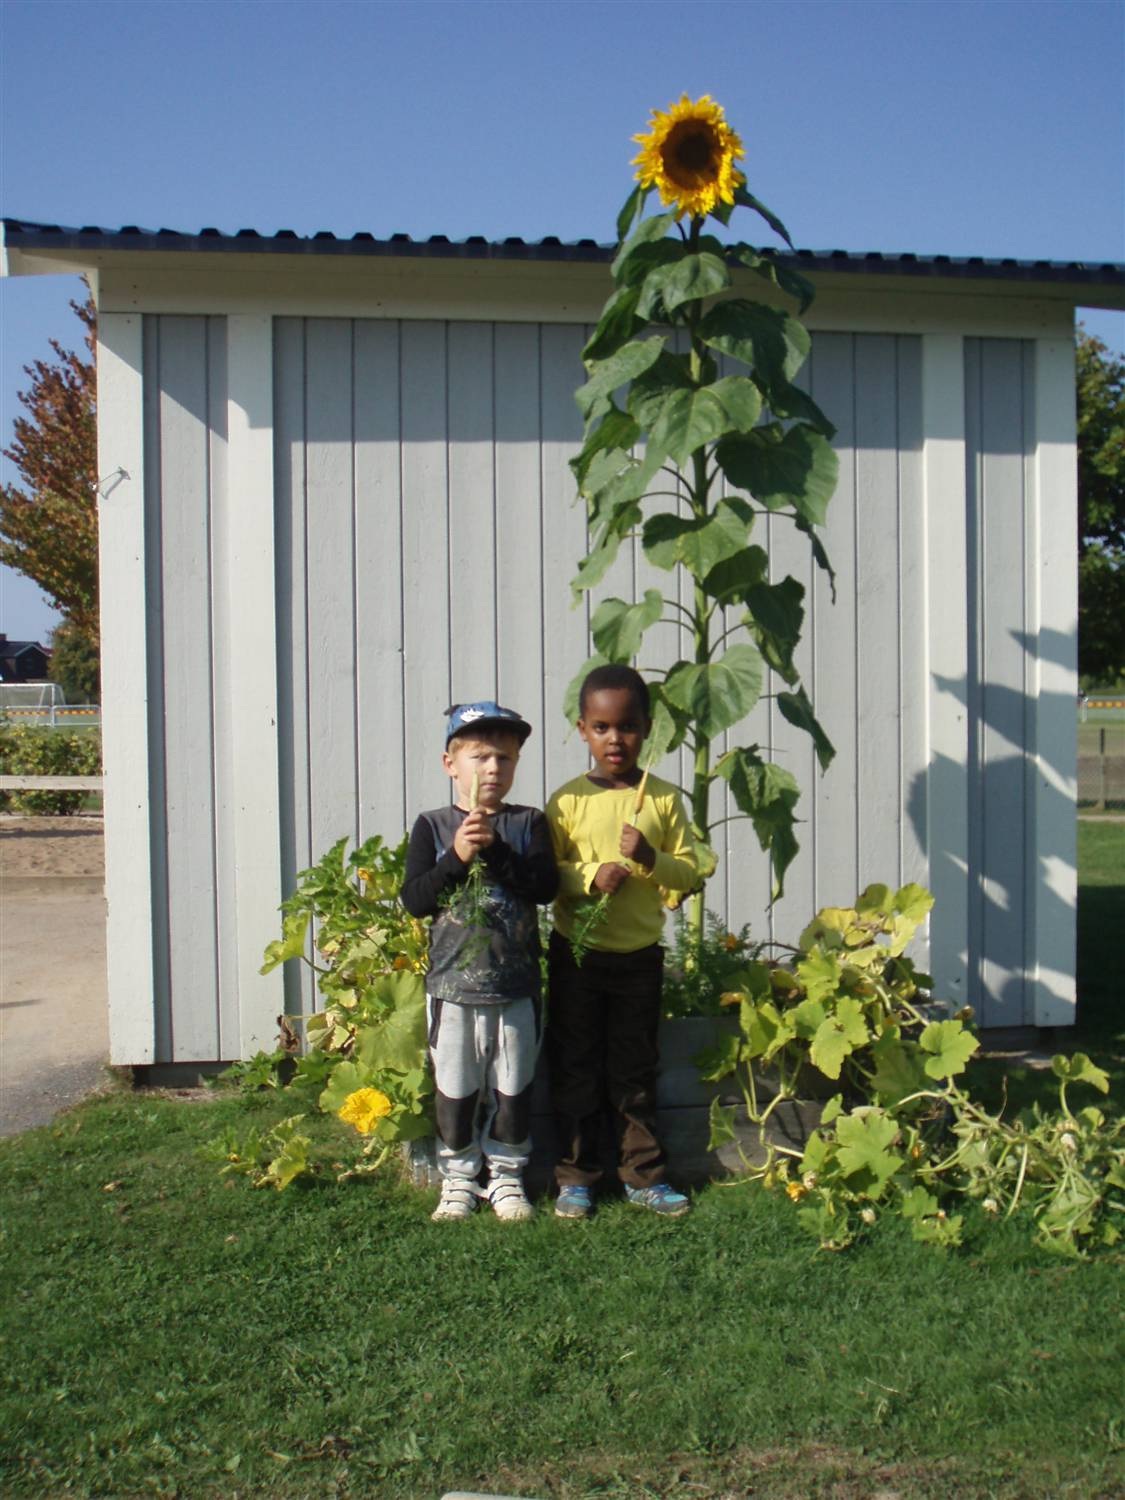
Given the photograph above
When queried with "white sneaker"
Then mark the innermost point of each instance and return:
(458, 1200)
(508, 1199)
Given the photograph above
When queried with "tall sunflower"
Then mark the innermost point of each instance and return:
(689, 155)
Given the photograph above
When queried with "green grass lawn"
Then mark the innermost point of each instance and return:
(169, 1333)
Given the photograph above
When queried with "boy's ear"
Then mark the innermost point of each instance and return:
(447, 763)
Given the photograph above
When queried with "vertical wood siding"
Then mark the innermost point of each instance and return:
(1000, 693)
(425, 537)
(189, 595)
(427, 520)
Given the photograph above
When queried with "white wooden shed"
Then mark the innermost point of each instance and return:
(342, 500)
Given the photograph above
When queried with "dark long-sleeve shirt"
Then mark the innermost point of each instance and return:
(491, 955)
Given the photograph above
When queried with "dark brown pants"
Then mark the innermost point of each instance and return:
(602, 1020)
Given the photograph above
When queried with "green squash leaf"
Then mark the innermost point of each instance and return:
(1079, 1069)
(948, 1047)
(864, 1150)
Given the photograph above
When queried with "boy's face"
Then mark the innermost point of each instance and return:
(492, 757)
(614, 727)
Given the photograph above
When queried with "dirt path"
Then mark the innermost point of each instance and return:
(54, 1039)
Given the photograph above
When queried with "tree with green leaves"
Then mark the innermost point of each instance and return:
(1101, 511)
(49, 529)
(75, 664)
(663, 421)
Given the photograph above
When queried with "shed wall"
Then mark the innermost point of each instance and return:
(424, 539)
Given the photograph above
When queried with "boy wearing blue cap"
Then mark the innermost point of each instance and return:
(480, 868)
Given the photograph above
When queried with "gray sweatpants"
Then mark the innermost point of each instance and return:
(483, 1053)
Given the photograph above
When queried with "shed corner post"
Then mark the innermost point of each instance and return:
(1053, 596)
(947, 662)
(124, 674)
(252, 656)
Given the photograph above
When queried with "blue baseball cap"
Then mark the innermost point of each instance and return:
(484, 715)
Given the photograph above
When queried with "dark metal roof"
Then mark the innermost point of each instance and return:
(21, 234)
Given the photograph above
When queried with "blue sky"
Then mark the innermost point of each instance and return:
(995, 127)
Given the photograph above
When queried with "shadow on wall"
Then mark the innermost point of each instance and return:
(1015, 787)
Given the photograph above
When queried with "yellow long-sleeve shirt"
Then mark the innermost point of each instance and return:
(585, 822)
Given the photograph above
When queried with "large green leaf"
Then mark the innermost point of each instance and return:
(734, 577)
(669, 725)
(617, 627)
(652, 387)
(607, 374)
(615, 483)
(689, 419)
(399, 1042)
(839, 1035)
(898, 1071)
(864, 1142)
(648, 232)
(616, 326)
(799, 711)
(794, 466)
(777, 614)
(795, 405)
(687, 279)
(717, 694)
(1079, 1069)
(630, 209)
(295, 926)
(744, 197)
(768, 339)
(791, 282)
(768, 794)
(614, 431)
(699, 543)
(595, 565)
(948, 1047)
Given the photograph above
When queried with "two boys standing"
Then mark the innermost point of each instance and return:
(483, 981)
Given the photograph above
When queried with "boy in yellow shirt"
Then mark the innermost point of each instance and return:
(603, 1012)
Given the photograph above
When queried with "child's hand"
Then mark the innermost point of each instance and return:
(474, 834)
(635, 846)
(610, 878)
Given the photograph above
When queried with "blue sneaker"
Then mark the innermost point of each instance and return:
(574, 1202)
(661, 1198)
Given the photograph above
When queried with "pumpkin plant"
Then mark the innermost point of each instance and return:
(366, 1049)
(691, 397)
(903, 1134)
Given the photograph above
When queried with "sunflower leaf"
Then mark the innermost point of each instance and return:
(799, 711)
(743, 196)
(734, 577)
(616, 326)
(768, 339)
(767, 794)
(698, 542)
(615, 429)
(791, 282)
(649, 231)
(617, 627)
(606, 375)
(719, 693)
(630, 209)
(776, 616)
(687, 279)
(795, 467)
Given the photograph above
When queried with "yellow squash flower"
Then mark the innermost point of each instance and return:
(689, 155)
(364, 1109)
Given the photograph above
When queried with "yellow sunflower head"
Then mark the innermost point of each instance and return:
(364, 1109)
(689, 155)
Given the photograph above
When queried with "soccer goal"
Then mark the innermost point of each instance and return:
(31, 702)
